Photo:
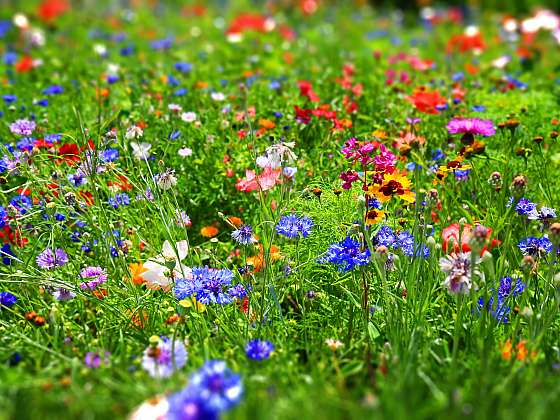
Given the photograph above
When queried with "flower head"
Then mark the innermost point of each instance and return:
(92, 277)
(459, 270)
(163, 357)
(243, 235)
(259, 349)
(346, 254)
(22, 127)
(472, 126)
(49, 259)
(292, 226)
(7, 299)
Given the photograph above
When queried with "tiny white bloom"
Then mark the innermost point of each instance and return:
(218, 96)
(134, 132)
(185, 152)
(141, 151)
(188, 116)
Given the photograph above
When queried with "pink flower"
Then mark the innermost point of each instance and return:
(471, 126)
(264, 181)
(385, 160)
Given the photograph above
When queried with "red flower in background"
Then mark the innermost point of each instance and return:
(466, 42)
(68, 153)
(250, 22)
(25, 64)
(426, 101)
(456, 241)
(49, 10)
(305, 89)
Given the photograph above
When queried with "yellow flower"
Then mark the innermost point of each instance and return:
(374, 216)
(393, 185)
(192, 303)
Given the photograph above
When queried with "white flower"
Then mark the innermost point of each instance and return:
(113, 68)
(141, 151)
(153, 409)
(133, 132)
(263, 162)
(100, 49)
(185, 152)
(175, 107)
(162, 360)
(460, 269)
(218, 96)
(158, 274)
(188, 116)
(166, 180)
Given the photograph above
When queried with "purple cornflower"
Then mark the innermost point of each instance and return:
(259, 349)
(292, 226)
(542, 214)
(7, 299)
(459, 271)
(94, 360)
(49, 259)
(525, 206)
(243, 235)
(22, 127)
(63, 294)
(346, 254)
(164, 357)
(93, 277)
(471, 127)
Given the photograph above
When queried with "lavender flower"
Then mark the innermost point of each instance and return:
(22, 127)
(458, 268)
(93, 277)
(243, 235)
(49, 259)
(164, 357)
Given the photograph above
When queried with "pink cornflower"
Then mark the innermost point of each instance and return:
(93, 277)
(470, 127)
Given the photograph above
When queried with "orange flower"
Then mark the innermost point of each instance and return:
(507, 350)
(522, 351)
(374, 216)
(235, 221)
(136, 270)
(258, 261)
(426, 101)
(209, 231)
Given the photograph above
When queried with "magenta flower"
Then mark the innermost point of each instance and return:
(93, 277)
(471, 127)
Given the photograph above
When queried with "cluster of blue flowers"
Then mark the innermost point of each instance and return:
(213, 389)
(209, 285)
(403, 241)
(121, 199)
(526, 207)
(347, 254)
(535, 247)
(293, 226)
(499, 302)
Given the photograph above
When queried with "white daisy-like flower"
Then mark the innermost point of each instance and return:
(185, 152)
(188, 117)
(133, 132)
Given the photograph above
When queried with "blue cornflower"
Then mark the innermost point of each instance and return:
(437, 155)
(213, 389)
(174, 135)
(109, 155)
(385, 237)
(543, 214)
(3, 216)
(9, 98)
(498, 302)
(374, 203)
(208, 285)
(243, 235)
(119, 200)
(259, 349)
(535, 246)
(183, 67)
(78, 179)
(7, 299)
(21, 203)
(53, 90)
(7, 254)
(478, 108)
(525, 206)
(25, 144)
(292, 226)
(238, 291)
(346, 254)
(462, 174)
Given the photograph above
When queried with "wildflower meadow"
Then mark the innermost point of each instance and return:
(283, 209)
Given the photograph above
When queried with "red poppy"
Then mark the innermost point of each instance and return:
(7, 235)
(303, 115)
(87, 196)
(68, 153)
(25, 64)
(463, 43)
(49, 10)
(305, 89)
(122, 183)
(426, 101)
(456, 241)
(250, 22)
